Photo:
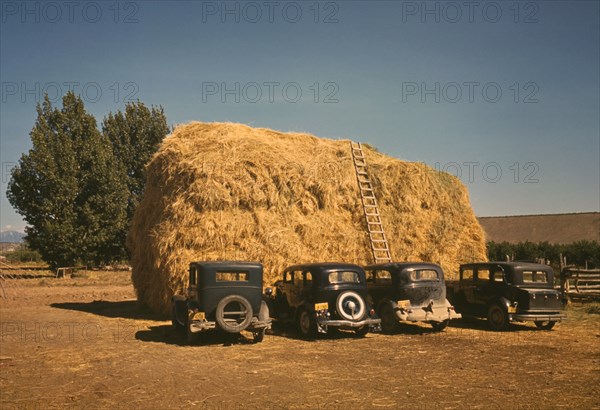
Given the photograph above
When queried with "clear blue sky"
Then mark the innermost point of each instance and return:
(505, 93)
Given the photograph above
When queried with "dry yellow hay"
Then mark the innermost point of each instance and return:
(221, 191)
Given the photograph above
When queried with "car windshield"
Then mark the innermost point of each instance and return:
(535, 276)
(344, 277)
(424, 275)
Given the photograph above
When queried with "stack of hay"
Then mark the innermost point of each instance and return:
(220, 191)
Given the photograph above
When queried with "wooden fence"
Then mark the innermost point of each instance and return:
(580, 283)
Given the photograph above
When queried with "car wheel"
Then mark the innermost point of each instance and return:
(350, 306)
(361, 331)
(233, 313)
(193, 338)
(258, 335)
(389, 322)
(497, 317)
(439, 326)
(544, 325)
(307, 326)
(177, 325)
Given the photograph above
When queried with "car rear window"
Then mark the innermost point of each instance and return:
(231, 277)
(424, 275)
(535, 276)
(344, 277)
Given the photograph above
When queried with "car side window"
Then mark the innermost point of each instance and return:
(384, 276)
(288, 277)
(483, 275)
(466, 274)
(298, 280)
(192, 276)
(308, 280)
(370, 274)
(498, 275)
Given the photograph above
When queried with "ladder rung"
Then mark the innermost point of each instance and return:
(379, 243)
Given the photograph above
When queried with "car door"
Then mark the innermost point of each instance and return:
(295, 288)
(467, 285)
(484, 287)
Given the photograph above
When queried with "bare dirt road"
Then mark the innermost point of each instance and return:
(84, 343)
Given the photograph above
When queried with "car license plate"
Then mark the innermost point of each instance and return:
(321, 306)
(403, 304)
(197, 316)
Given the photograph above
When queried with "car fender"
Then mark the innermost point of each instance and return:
(502, 301)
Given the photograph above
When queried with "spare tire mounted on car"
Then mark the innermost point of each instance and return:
(233, 313)
(350, 306)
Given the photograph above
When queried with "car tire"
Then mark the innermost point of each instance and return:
(346, 304)
(193, 338)
(258, 335)
(233, 321)
(544, 325)
(439, 326)
(306, 323)
(361, 331)
(497, 317)
(177, 325)
(389, 322)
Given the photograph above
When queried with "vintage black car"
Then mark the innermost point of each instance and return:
(504, 292)
(320, 296)
(409, 292)
(225, 295)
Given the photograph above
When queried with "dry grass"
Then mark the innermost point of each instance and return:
(228, 191)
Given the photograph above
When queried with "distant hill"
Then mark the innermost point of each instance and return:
(11, 236)
(556, 228)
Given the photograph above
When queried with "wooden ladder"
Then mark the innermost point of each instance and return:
(379, 243)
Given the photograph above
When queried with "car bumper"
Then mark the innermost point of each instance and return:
(201, 325)
(373, 324)
(349, 323)
(422, 314)
(542, 317)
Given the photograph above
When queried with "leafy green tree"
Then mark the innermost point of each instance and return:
(68, 188)
(581, 252)
(135, 136)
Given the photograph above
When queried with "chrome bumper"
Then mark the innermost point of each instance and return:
(542, 317)
(200, 325)
(426, 314)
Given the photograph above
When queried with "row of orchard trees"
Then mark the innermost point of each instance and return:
(78, 186)
(580, 253)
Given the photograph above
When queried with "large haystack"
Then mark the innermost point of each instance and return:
(229, 191)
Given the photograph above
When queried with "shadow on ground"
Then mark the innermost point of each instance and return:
(127, 309)
(166, 334)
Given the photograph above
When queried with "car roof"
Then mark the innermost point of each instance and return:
(403, 265)
(228, 264)
(511, 265)
(325, 266)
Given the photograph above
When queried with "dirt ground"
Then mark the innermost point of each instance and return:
(83, 342)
